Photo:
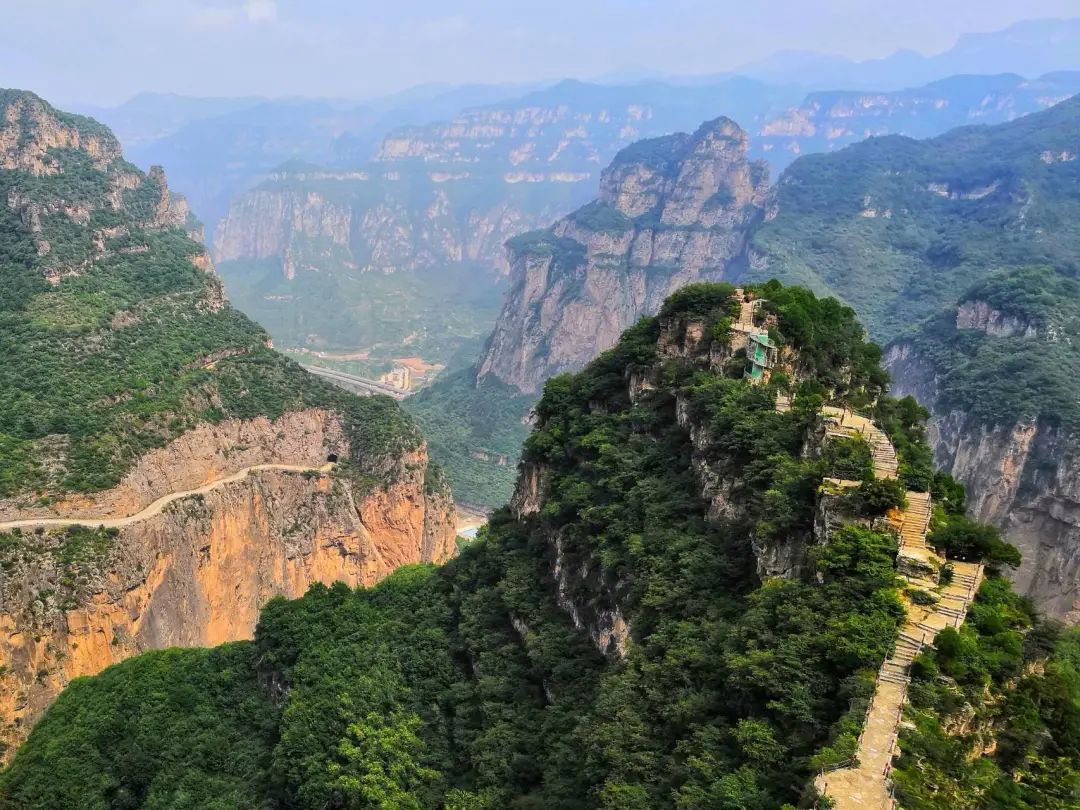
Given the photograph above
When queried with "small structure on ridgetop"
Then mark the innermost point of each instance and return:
(761, 357)
(762, 354)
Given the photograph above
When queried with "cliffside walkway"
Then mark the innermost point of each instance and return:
(865, 785)
(159, 505)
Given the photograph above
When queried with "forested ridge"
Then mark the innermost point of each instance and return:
(900, 229)
(474, 429)
(606, 642)
(115, 337)
(1029, 370)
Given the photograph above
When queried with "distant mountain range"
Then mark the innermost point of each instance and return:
(216, 148)
(1030, 48)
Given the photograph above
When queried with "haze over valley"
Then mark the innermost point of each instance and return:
(606, 405)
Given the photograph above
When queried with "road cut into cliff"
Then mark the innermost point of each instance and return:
(157, 506)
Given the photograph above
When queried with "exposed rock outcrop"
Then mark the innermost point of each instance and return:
(671, 211)
(1023, 477)
(309, 230)
(39, 140)
(198, 574)
(269, 223)
(980, 315)
(31, 129)
(203, 454)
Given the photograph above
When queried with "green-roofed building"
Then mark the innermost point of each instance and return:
(761, 357)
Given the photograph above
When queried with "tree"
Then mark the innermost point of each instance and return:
(965, 539)
(377, 764)
(877, 496)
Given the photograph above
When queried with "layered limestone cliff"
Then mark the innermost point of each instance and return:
(440, 194)
(1023, 475)
(401, 229)
(75, 601)
(202, 455)
(548, 136)
(830, 120)
(671, 211)
(267, 224)
(30, 132)
(455, 191)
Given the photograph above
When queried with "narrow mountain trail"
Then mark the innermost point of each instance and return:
(842, 422)
(866, 785)
(863, 783)
(746, 314)
(159, 505)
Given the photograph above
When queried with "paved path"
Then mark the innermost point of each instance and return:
(745, 323)
(157, 506)
(866, 786)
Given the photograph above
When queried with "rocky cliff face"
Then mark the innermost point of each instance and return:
(830, 120)
(310, 230)
(266, 224)
(671, 211)
(160, 399)
(438, 194)
(456, 190)
(30, 131)
(198, 573)
(1022, 473)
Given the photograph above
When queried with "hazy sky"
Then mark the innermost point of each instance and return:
(107, 50)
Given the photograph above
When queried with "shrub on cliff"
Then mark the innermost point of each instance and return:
(876, 496)
(964, 539)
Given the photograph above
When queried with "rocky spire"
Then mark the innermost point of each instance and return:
(671, 211)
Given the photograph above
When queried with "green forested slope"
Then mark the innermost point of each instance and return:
(899, 228)
(1031, 373)
(474, 430)
(114, 337)
(480, 684)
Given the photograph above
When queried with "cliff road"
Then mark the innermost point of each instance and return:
(159, 505)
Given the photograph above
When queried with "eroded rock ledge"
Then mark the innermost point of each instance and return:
(198, 573)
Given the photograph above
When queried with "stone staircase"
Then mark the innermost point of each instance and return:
(841, 422)
(745, 323)
(864, 784)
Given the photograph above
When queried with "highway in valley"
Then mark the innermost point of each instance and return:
(358, 385)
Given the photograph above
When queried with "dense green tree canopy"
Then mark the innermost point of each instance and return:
(609, 645)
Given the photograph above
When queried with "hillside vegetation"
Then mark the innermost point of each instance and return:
(1032, 372)
(900, 228)
(607, 642)
(474, 430)
(115, 335)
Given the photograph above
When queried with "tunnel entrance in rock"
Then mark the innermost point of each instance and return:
(332, 458)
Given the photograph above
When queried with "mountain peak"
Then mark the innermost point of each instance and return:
(30, 128)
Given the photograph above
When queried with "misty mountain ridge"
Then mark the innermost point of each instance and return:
(1030, 48)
